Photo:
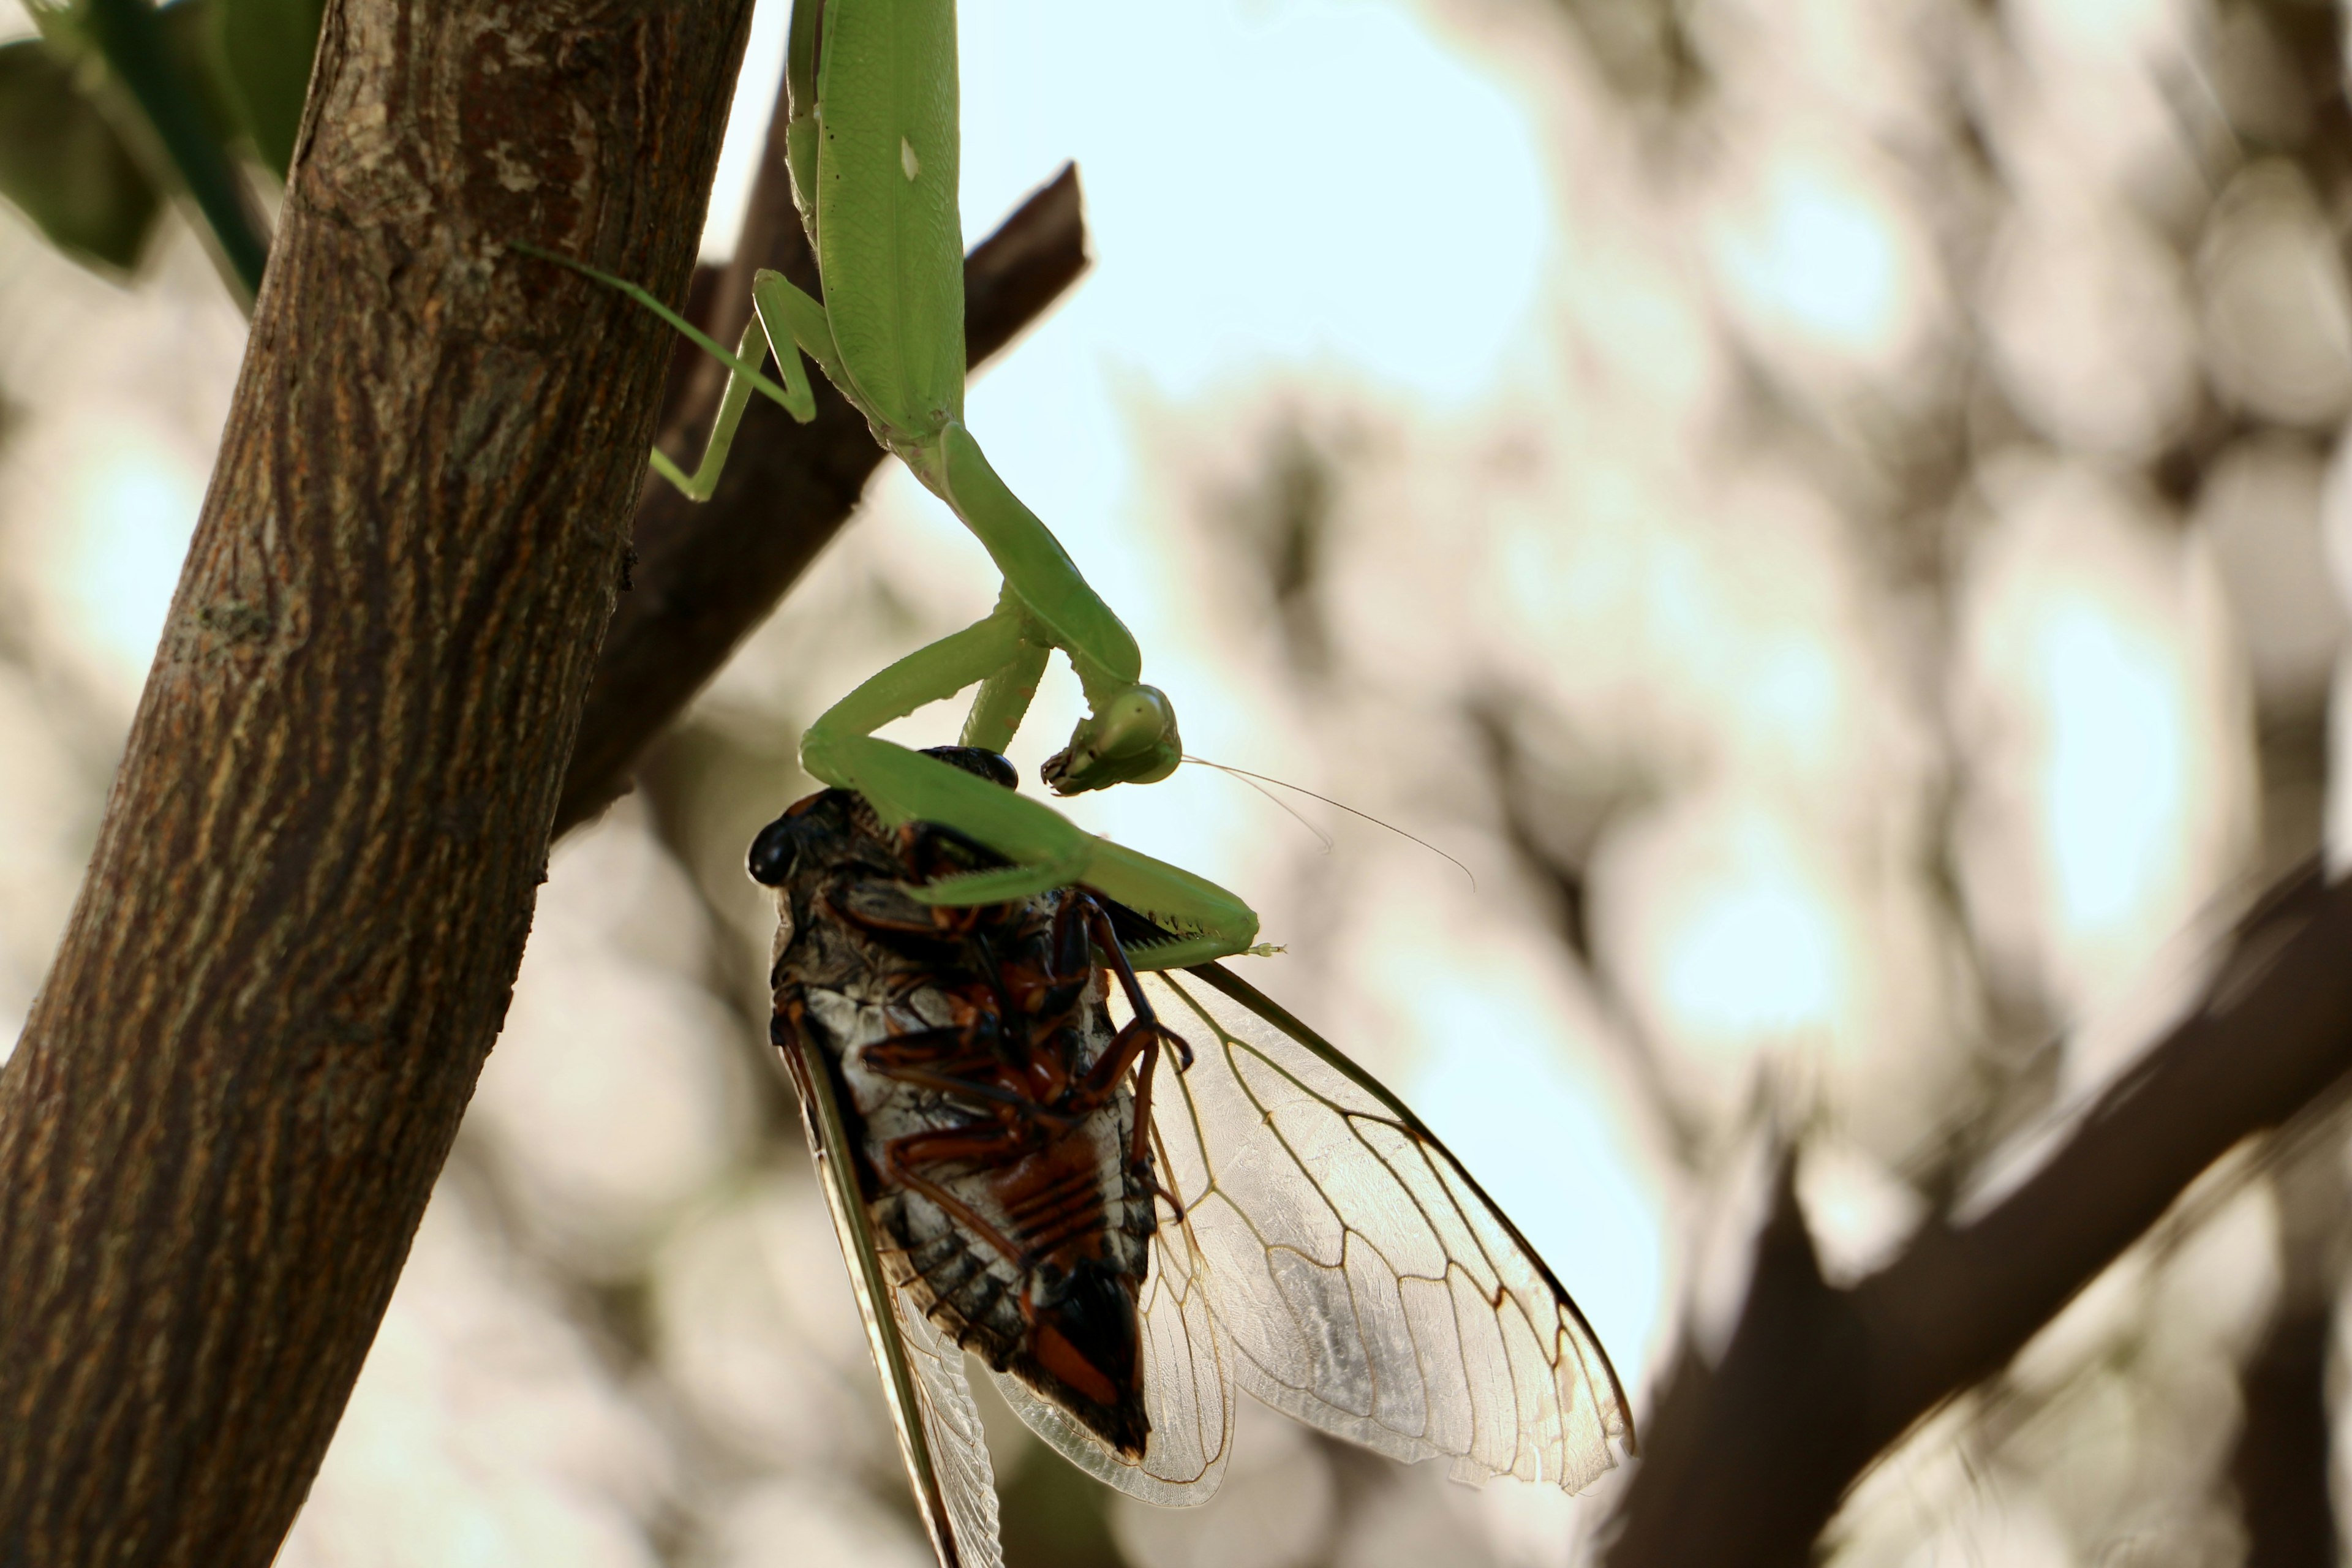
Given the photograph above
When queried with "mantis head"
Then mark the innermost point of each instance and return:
(1130, 739)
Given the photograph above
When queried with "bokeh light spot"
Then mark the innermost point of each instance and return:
(1757, 955)
(2117, 782)
(131, 507)
(1822, 258)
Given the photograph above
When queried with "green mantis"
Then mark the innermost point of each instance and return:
(872, 139)
(1003, 1179)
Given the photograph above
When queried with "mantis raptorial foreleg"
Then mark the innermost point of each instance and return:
(872, 143)
(1047, 850)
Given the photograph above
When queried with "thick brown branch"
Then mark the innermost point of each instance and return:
(310, 891)
(707, 575)
(1748, 1461)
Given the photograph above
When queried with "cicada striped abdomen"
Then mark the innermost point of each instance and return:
(1002, 1156)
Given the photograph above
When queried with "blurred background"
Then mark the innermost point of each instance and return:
(1829, 509)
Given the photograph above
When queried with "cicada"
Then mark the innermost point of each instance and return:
(1131, 1195)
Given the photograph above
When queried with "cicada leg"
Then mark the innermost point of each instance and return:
(1098, 927)
(984, 1145)
(1055, 987)
(948, 1062)
(1136, 1046)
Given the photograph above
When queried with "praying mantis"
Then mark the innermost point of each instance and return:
(872, 139)
(1001, 1179)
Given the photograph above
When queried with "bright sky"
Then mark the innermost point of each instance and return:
(1318, 179)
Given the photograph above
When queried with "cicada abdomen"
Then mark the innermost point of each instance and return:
(990, 1104)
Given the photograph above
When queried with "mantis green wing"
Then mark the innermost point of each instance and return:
(888, 236)
(872, 141)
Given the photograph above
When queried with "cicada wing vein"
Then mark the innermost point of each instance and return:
(1363, 1281)
(1188, 1371)
(950, 1422)
(923, 1374)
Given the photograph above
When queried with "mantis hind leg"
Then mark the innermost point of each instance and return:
(744, 376)
(800, 405)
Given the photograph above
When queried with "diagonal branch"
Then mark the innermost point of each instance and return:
(707, 575)
(1748, 1460)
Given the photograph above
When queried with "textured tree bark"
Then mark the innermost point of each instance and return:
(310, 894)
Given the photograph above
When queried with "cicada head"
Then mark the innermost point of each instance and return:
(807, 825)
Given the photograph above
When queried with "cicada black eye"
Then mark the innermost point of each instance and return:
(996, 768)
(778, 848)
(812, 825)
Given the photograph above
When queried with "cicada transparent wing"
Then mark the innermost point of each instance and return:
(1362, 1280)
(1296, 1233)
(923, 1376)
(1188, 1375)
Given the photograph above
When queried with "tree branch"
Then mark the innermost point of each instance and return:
(706, 576)
(303, 916)
(2281, 1462)
(1748, 1461)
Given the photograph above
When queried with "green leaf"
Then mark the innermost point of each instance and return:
(62, 164)
(266, 48)
(136, 44)
(191, 34)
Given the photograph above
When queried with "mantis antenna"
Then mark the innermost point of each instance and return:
(1256, 782)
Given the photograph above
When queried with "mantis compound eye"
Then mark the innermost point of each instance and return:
(1131, 739)
(1138, 720)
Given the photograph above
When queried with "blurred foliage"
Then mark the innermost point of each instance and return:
(1643, 48)
(265, 52)
(64, 166)
(117, 103)
(1055, 1516)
